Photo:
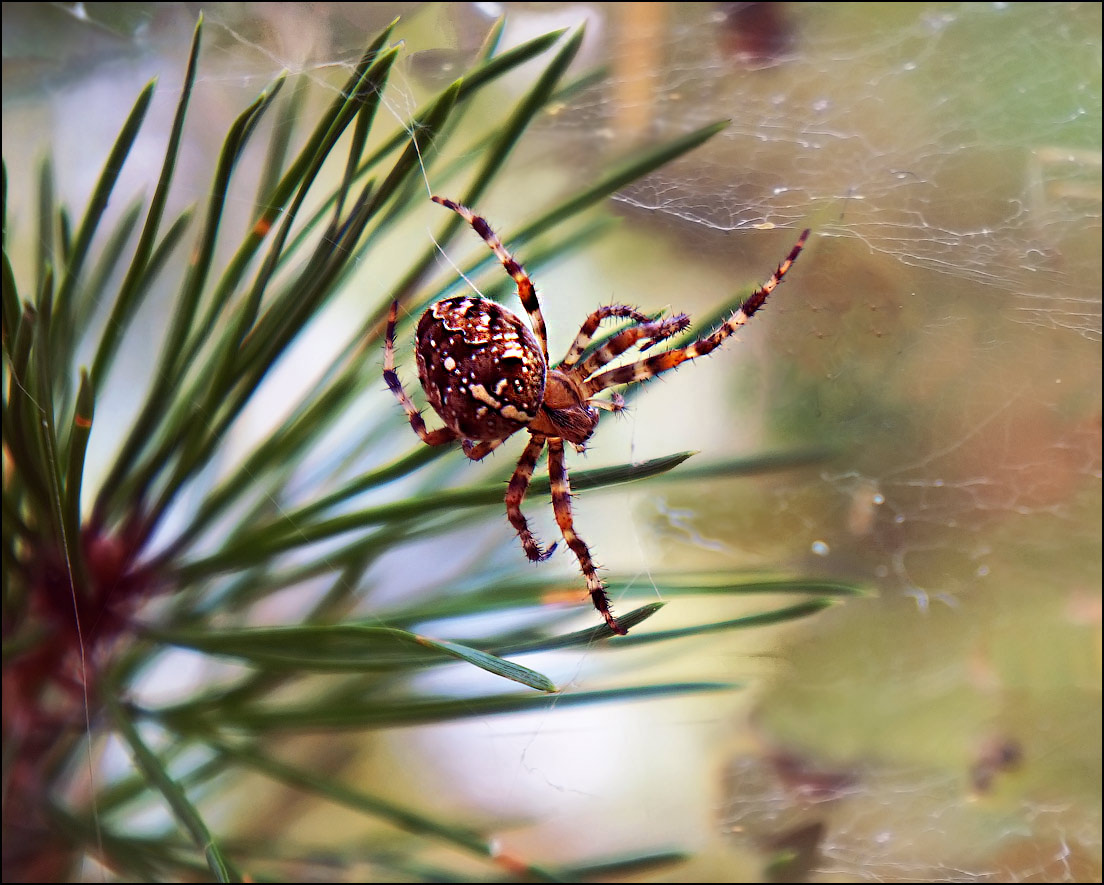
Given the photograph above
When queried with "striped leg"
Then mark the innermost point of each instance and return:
(526, 292)
(650, 333)
(662, 362)
(561, 504)
(430, 437)
(515, 494)
(586, 332)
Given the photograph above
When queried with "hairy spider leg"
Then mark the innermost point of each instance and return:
(644, 369)
(526, 291)
(590, 326)
(515, 494)
(477, 451)
(561, 504)
(650, 333)
(437, 437)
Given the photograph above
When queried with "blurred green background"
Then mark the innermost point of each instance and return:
(941, 333)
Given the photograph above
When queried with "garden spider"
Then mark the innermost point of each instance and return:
(487, 375)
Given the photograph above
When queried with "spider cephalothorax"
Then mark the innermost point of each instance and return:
(487, 375)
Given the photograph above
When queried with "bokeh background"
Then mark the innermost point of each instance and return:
(941, 336)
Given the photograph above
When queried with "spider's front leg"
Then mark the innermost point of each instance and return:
(515, 494)
(650, 333)
(590, 326)
(561, 504)
(651, 366)
(430, 437)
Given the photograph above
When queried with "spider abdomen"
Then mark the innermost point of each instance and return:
(480, 366)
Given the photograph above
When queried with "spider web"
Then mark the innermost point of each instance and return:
(943, 331)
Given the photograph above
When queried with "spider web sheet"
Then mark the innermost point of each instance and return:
(941, 333)
(948, 159)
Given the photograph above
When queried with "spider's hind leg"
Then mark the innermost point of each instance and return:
(477, 451)
(527, 293)
(437, 437)
(515, 494)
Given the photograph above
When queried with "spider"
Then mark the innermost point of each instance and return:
(488, 376)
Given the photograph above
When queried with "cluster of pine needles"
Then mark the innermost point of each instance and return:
(99, 583)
